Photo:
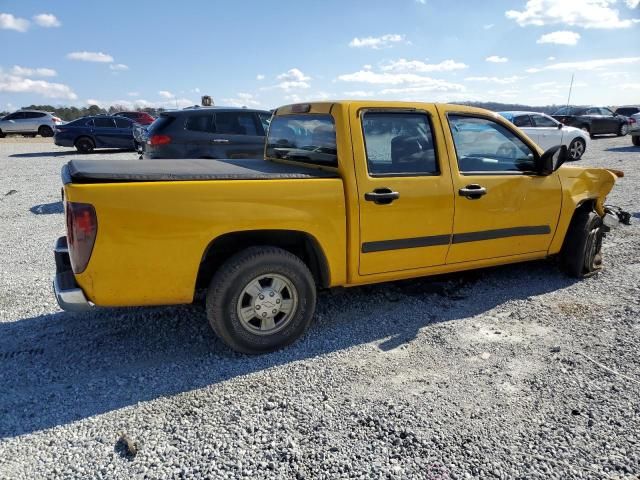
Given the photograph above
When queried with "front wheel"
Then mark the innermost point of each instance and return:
(45, 131)
(261, 300)
(635, 139)
(577, 148)
(624, 129)
(84, 145)
(581, 254)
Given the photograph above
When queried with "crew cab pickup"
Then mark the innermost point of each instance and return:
(348, 193)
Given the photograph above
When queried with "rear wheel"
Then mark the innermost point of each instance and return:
(576, 148)
(261, 299)
(624, 129)
(45, 131)
(84, 145)
(581, 254)
(636, 140)
(2, 134)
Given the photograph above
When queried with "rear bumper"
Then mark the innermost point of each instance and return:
(69, 295)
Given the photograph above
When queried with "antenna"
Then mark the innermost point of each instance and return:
(568, 102)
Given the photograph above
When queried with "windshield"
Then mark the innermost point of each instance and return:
(303, 138)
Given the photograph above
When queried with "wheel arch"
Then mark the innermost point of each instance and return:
(302, 244)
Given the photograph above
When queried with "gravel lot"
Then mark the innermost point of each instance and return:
(514, 372)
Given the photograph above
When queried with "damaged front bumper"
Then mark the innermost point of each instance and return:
(68, 293)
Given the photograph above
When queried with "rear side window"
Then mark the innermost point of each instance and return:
(522, 121)
(627, 111)
(123, 122)
(34, 115)
(160, 123)
(483, 145)
(303, 138)
(101, 122)
(199, 123)
(542, 121)
(399, 144)
(235, 123)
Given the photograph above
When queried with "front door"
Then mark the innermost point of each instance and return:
(502, 208)
(404, 189)
(237, 135)
(105, 132)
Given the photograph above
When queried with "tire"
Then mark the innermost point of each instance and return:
(84, 145)
(45, 131)
(2, 134)
(235, 309)
(581, 254)
(623, 130)
(635, 139)
(577, 148)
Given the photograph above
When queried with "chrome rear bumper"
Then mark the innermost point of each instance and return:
(69, 295)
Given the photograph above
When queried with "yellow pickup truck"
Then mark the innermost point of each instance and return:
(348, 193)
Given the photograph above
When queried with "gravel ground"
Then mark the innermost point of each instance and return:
(513, 372)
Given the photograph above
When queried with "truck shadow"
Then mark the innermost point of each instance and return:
(61, 367)
(631, 149)
(65, 153)
(47, 208)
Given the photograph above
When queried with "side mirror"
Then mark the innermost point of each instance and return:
(560, 126)
(552, 159)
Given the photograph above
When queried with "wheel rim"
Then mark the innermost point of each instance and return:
(267, 304)
(624, 129)
(593, 257)
(85, 145)
(576, 149)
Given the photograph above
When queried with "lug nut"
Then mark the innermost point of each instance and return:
(261, 297)
(278, 301)
(257, 307)
(264, 314)
(271, 294)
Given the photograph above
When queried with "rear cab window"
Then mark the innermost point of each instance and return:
(304, 138)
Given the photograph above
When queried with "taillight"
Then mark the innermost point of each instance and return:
(632, 120)
(159, 140)
(82, 227)
(56, 119)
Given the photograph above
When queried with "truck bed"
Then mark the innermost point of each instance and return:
(115, 171)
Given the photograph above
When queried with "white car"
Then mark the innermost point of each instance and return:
(547, 132)
(29, 122)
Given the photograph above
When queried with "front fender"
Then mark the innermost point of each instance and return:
(580, 185)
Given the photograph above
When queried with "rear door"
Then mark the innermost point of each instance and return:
(549, 135)
(524, 123)
(124, 135)
(404, 189)
(14, 122)
(237, 135)
(598, 124)
(105, 132)
(611, 123)
(502, 208)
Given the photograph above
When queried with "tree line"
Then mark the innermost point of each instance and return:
(71, 113)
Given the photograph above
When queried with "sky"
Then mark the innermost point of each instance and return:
(264, 54)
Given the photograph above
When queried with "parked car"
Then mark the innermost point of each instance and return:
(348, 193)
(101, 131)
(593, 120)
(548, 132)
(207, 132)
(29, 122)
(632, 112)
(143, 118)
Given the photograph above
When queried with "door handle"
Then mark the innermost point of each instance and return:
(381, 196)
(219, 140)
(473, 191)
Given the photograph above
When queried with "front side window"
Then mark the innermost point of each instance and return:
(522, 121)
(542, 121)
(235, 123)
(483, 145)
(606, 112)
(399, 144)
(304, 138)
(102, 122)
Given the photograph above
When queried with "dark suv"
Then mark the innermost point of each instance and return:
(208, 132)
(595, 120)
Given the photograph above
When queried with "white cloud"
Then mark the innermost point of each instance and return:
(259, 77)
(421, 2)
(579, 13)
(118, 67)
(367, 67)
(551, 58)
(242, 100)
(9, 22)
(413, 81)
(632, 3)
(498, 80)
(359, 93)
(587, 64)
(90, 57)
(488, 26)
(196, 90)
(133, 94)
(47, 20)
(403, 65)
(377, 42)
(32, 72)
(293, 78)
(561, 37)
(166, 94)
(496, 59)
(16, 84)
